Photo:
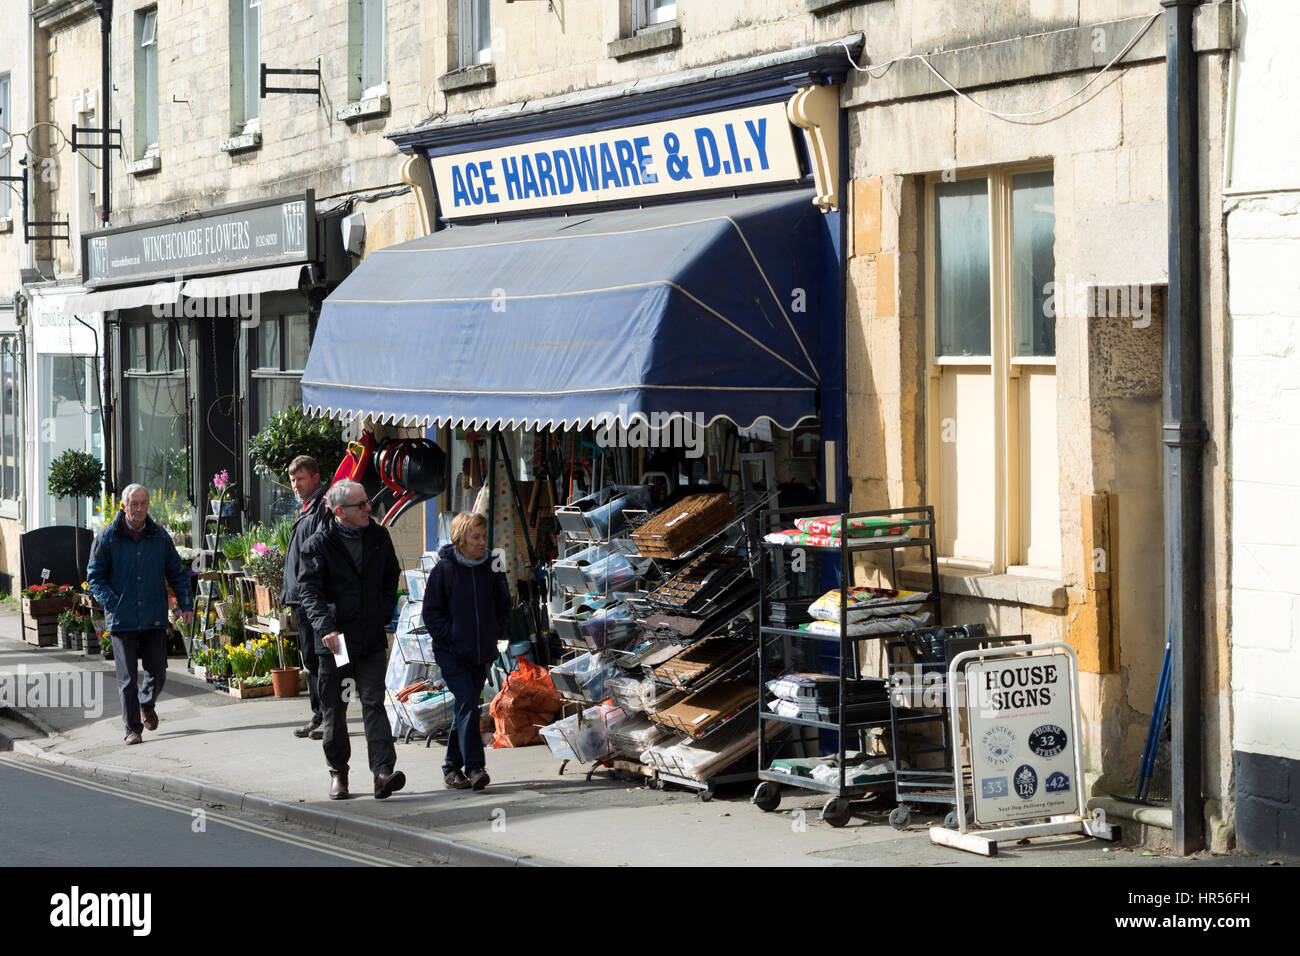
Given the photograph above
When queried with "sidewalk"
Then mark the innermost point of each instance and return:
(242, 753)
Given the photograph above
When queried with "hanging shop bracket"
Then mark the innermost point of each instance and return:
(275, 71)
(105, 143)
(28, 224)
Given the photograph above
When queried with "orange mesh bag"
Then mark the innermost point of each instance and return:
(528, 702)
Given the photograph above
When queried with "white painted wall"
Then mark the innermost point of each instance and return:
(1264, 304)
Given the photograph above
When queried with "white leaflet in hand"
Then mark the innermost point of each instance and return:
(341, 655)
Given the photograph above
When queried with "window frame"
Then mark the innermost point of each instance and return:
(174, 371)
(12, 351)
(245, 76)
(7, 144)
(1004, 367)
(647, 16)
(371, 45)
(256, 372)
(475, 50)
(146, 100)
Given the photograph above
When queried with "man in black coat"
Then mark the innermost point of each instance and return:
(348, 588)
(304, 477)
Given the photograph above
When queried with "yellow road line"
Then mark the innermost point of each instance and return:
(258, 829)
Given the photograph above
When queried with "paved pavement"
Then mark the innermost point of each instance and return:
(242, 754)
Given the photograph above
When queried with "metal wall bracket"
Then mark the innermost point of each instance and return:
(105, 143)
(275, 71)
(28, 225)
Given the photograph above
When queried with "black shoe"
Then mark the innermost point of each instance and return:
(386, 783)
(306, 729)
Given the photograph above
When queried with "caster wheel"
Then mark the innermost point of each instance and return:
(900, 817)
(705, 796)
(767, 797)
(836, 812)
(951, 820)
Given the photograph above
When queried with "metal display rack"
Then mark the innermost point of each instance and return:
(927, 655)
(921, 534)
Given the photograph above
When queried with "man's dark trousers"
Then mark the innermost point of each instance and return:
(310, 662)
(150, 646)
(366, 671)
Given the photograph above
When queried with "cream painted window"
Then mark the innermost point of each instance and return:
(7, 190)
(992, 441)
(245, 64)
(651, 13)
(146, 81)
(475, 32)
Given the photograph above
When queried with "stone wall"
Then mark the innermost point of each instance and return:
(1107, 152)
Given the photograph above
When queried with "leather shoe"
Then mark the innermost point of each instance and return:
(455, 780)
(339, 785)
(386, 783)
(478, 778)
(306, 728)
(150, 718)
(133, 739)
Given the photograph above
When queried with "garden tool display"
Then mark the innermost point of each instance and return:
(415, 469)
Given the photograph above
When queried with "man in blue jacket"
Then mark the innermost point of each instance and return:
(131, 562)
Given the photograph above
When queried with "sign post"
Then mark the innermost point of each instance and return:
(1026, 763)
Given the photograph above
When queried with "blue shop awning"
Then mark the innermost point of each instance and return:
(705, 308)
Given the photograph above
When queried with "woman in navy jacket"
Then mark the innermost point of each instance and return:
(466, 607)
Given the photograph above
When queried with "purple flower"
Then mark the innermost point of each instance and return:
(221, 479)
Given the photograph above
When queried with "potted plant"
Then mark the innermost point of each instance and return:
(266, 564)
(92, 635)
(220, 494)
(46, 600)
(292, 433)
(69, 623)
(76, 475)
(285, 677)
(235, 548)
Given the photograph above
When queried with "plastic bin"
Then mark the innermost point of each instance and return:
(599, 569)
(585, 740)
(600, 515)
(612, 626)
(585, 676)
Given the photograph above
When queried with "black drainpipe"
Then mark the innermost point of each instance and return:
(1184, 430)
(105, 10)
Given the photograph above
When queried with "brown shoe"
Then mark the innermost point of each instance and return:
(455, 781)
(134, 739)
(478, 778)
(339, 785)
(150, 718)
(386, 783)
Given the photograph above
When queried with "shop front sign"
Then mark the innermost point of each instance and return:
(1022, 737)
(728, 150)
(241, 236)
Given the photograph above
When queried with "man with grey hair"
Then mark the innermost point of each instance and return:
(131, 562)
(348, 588)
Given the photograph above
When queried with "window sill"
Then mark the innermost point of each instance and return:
(242, 143)
(468, 78)
(1015, 588)
(830, 6)
(6, 224)
(9, 508)
(142, 167)
(361, 109)
(665, 36)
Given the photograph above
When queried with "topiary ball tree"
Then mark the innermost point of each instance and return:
(290, 434)
(76, 475)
